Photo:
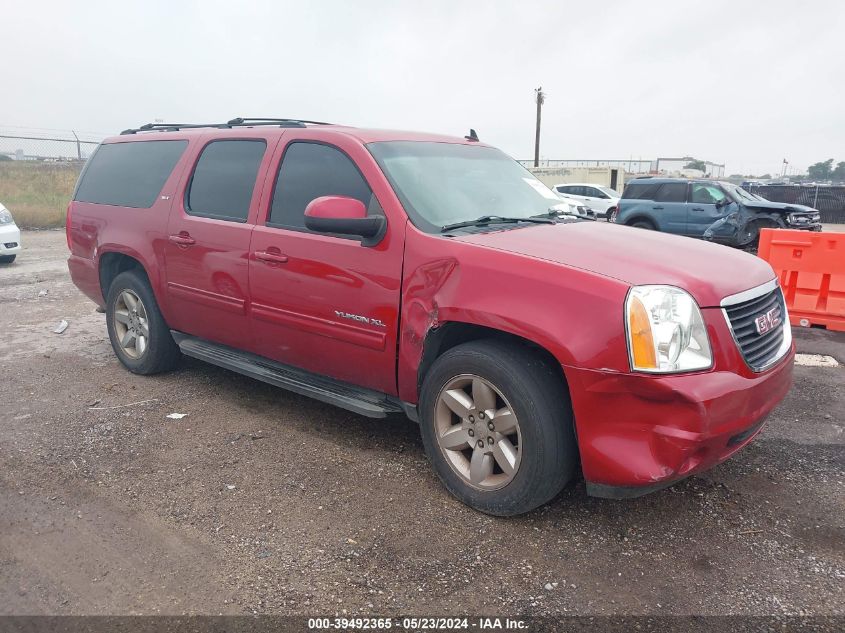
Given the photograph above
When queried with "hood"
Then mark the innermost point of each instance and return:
(768, 205)
(709, 272)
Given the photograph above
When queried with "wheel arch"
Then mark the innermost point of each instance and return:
(112, 263)
(450, 334)
(640, 217)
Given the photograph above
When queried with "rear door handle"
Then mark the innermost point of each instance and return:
(273, 258)
(182, 239)
(658, 208)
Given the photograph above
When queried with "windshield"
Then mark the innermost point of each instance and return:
(444, 183)
(611, 192)
(739, 194)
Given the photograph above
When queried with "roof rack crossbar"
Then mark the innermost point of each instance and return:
(242, 120)
(237, 122)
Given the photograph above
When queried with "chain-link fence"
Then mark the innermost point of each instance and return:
(38, 169)
(46, 146)
(829, 200)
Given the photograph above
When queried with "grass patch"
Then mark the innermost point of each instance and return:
(37, 193)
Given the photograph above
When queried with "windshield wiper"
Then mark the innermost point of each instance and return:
(554, 212)
(494, 219)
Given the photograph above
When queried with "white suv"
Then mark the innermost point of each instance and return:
(602, 200)
(10, 237)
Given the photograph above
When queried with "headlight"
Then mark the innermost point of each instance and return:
(794, 218)
(5, 216)
(666, 333)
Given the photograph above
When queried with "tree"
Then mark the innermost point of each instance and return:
(696, 164)
(822, 170)
(839, 172)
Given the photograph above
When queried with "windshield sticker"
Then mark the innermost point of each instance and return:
(542, 189)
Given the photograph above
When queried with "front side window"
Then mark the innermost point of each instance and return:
(596, 193)
(312, 170)
(224, 180)
(129, 174)
(703, 193)
(444, 183)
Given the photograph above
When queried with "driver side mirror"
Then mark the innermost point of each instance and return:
(723, 203)
(342, 215)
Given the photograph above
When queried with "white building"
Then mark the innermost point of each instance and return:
(661, 166)
(678, 166)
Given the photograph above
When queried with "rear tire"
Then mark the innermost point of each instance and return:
(7, 259)
(644, 224)
(533, 457)
(139, 335)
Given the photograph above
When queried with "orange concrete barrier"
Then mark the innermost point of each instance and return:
(811, 268)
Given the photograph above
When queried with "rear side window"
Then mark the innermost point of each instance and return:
(641, 191)
(312, 170)
(672, 192)
(224, 180)
(129, 174)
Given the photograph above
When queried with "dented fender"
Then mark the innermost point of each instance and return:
(454, 281)
(734, 227)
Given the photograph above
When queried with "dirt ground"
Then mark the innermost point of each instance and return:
(261, 501)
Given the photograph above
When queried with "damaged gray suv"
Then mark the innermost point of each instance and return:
(708, 209)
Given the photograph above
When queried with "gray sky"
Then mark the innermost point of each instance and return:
(747, 83)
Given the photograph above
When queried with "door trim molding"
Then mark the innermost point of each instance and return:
(205, 297)
(323, 327)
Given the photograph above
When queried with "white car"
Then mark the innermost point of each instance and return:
(573, 207)
(602, 200)
(10, 237)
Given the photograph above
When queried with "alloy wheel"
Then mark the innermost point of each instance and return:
(478, 432)
(131, 326)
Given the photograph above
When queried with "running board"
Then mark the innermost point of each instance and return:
(372, 404)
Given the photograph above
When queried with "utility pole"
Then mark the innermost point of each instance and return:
(539, 97)
(78, 146)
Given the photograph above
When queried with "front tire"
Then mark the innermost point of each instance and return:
(496, 424)
(139, 335)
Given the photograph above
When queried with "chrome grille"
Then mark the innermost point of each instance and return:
(759, 350)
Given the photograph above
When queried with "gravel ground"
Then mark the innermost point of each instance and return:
(260, 501)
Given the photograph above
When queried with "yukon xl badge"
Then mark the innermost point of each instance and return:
(359, 318)
(767, 322)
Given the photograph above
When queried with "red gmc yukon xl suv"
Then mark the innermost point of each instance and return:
(389, 272)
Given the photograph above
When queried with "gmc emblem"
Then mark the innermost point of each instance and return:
(767, 322)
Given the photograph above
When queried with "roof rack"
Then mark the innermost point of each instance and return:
(236, 122)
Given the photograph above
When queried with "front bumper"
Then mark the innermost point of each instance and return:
(639, 433)
(10, 239)
(815, 226)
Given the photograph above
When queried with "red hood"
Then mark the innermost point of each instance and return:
(708, 271)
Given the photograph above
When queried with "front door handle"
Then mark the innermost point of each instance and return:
(182, 239)
(658, 208)
(697, 209)
(272, 258)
